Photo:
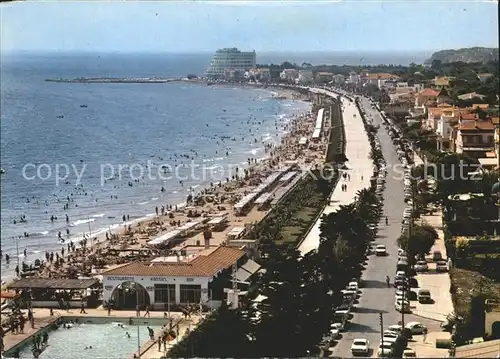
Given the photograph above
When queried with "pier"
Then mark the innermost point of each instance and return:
(125, 80)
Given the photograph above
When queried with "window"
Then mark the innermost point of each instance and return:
(164, 292)
(190, 293)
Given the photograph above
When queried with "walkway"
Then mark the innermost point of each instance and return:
(360, 169)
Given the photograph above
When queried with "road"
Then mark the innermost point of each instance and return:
(376, 297)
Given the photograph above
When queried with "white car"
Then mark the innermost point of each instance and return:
(339, 326)
(353, 286)
(390, 337)
(335, 333)
(401, 252)
(400, 274)
(416, 327)
(421, 266)
(400, 307)
(360, 346)
(400, 295)
(384, 349)
(380, 250)
(396, 328)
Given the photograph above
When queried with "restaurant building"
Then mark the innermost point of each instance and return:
(199, 278)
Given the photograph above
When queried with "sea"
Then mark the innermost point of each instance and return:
(88, 154)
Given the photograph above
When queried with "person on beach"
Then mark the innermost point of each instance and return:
(147, 312)
(82, 308)
(159, 343)
(137, 310)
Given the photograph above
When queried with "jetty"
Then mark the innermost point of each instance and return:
(126, 80)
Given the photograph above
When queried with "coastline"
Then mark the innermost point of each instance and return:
(98, 239)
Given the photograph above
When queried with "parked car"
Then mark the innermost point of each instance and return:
(437, 256)
(389, 337)
(409, 353)
(353, 286)
(360, 347)
(442, 266)
(402, 266)
(380, 250)
(421, 266)
(424, 296)
(400, 275)
(416, 327)
(396, 328)
(400, 307)
(384, 349)
(339, 326)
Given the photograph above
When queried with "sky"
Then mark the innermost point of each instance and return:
(287, 26)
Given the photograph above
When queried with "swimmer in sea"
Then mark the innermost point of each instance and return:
(127, 334)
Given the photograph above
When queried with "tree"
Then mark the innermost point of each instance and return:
(453, 174)
(421, 241)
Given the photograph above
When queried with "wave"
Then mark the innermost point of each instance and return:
(215, 159)
(36, 234)
(154, 198)
(100, 215)
(254, 151)
(142, 203)
(82, 221)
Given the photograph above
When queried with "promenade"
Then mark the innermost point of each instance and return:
(360, 169)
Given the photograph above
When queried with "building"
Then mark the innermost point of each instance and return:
(289, 75)
(379, 79)
(424, 96)
(474, 137)
(443, 96)
(353, 77)
(176, 281)
(339, 79)
(470, 96)
(231, 60)
(324, 77)
(260, 74)
(484, 77)
(306, 76)
(442, 81)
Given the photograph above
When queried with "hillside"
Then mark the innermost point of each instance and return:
(468, 55)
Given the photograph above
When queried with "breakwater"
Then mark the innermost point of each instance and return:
(131, 80)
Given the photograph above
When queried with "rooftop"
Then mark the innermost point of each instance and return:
(428, 92)
(42, 283)
(201, 266)
(476, 126)
(382, 76)
(489, 349)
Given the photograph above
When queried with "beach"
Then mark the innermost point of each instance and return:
(151, 225)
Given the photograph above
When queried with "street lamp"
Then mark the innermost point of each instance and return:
(495, 191)
(137, 320)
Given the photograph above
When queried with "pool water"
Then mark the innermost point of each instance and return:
(108, 341)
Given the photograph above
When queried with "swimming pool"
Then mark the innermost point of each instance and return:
(107, 341)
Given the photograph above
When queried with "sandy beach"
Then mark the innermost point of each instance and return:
(130, 242)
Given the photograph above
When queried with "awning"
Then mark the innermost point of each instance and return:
(246, 270)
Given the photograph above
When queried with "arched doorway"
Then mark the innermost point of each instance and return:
(128, 294)
(495, 330)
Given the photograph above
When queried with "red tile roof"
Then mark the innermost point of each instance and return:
(476, 126)
(428, 92)
(201, 266)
